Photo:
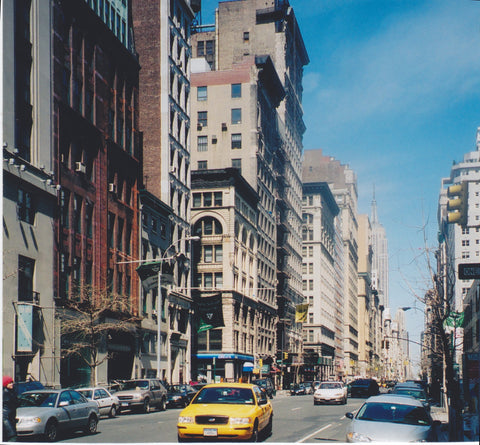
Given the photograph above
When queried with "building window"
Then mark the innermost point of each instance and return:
(26, 268)
(246, 36)
(200, 48)
(236, 115)
(202, 118)
(25, 210)
(202, 143)
(110, 226)
(202, 165)
(89, 220)
(64, 208)
(236, 141)
(237, 163)
(197, 200)
(202, 93)
(208, 254)
(236, 90)
(77, 214)
(218, 199)
(209, 47)
(207, 199)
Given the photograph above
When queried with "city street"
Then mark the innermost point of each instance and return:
(296, 419)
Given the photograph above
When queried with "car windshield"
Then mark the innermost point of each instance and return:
(394, 413)
(177, 388)
(225, 395)
(86, 392)
(360, 383)
(416, 393)
(38, 399)
(330, 386)
(136, 384)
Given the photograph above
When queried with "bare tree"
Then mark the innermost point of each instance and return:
(86, 323)
(440, 282)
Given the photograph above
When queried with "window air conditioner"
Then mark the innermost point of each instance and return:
(80, 167)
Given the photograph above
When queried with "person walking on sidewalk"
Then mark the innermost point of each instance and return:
(10, 403)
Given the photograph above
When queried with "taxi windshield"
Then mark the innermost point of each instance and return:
(225, 395)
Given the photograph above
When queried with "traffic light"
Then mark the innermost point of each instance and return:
(457, 206)
(260, 362)
(285, 356)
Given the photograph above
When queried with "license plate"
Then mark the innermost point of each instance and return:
(124, 403)
(210, 432)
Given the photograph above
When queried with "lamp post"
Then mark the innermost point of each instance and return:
(159, 281)
(163, 258)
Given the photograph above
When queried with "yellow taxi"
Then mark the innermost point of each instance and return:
(226, 411)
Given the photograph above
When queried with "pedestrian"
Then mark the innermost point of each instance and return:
(10, 403)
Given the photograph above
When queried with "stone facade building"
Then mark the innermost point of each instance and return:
(256, 29)
(31, 335)
(224, 216)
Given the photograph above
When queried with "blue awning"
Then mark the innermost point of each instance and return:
(248, 367)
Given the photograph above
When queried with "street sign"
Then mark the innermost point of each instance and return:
(469, 271)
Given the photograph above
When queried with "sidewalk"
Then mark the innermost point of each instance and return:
(470, 425)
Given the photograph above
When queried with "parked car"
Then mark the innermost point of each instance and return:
(315, 384)
(330, 392)
(21, 387)
(142, 395)
(364, 388)
(412, 390)
(296, 389)
(308, 387)
(108, 404)
(391, 417)
(198, 386)
(226, 411)
(267, 385)
(180, 395)
(48, 412)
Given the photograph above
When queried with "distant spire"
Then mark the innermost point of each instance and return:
(374, 208)
(478, 139)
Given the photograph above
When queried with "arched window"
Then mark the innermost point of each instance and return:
(208, 226)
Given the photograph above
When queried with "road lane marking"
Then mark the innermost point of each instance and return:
(313, 434)
(294, 409)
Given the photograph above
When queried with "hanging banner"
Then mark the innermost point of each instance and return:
(301, 311)
(148, 274)
(210, 312)
(24, 327)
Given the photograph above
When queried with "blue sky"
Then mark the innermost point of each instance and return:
(393, 90)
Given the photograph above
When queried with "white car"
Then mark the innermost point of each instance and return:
(108, 404)
(330, 392)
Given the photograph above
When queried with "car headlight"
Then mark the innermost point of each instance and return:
(29, 420)
(240, 420)
(136, 397)
(175, 398)
(186, 419)
(358, 437)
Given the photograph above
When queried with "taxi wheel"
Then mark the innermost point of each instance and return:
(254, 437)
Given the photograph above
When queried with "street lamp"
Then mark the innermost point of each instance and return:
(159, 284)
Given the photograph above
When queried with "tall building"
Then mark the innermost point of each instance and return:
(380, 256)
(248, 94)
(459, 244)
(255, 28)
(321, 288)
(97, 155)
(31, 334)
(162, 37)
(343, 184)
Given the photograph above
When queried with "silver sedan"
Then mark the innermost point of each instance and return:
(392, 418)
(48, 412)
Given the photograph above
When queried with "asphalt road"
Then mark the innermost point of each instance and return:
(296, 420)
